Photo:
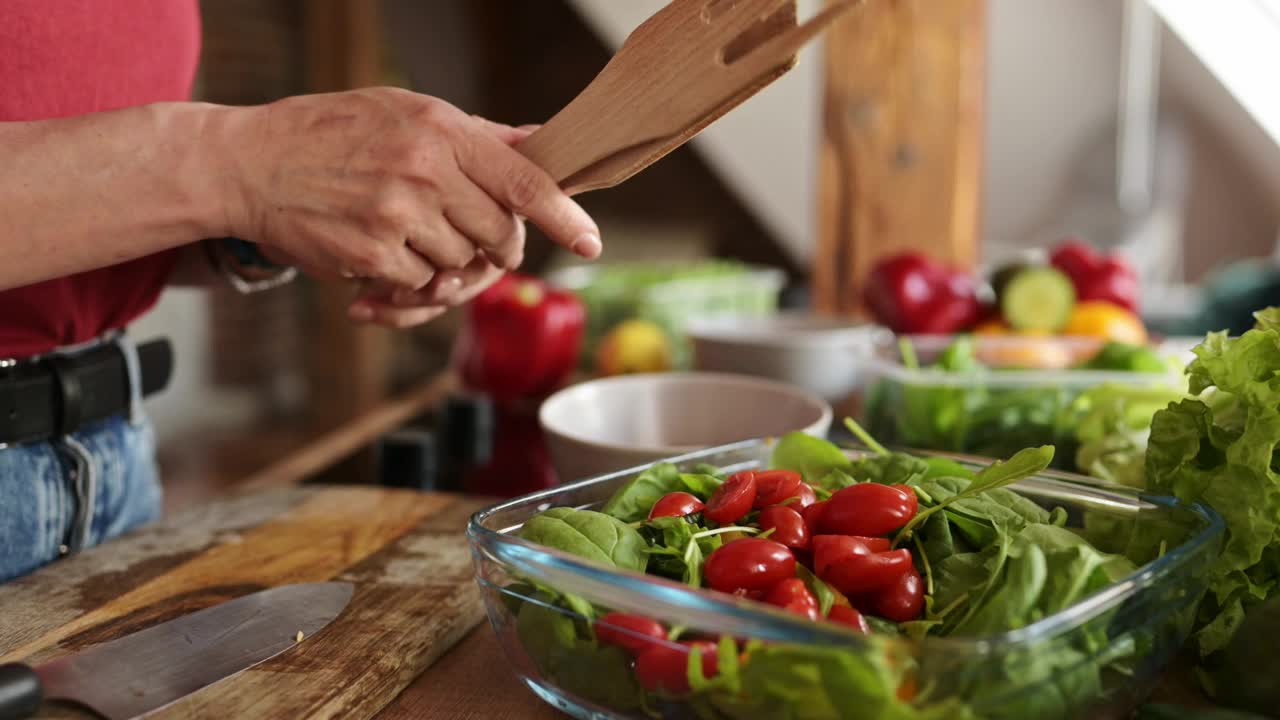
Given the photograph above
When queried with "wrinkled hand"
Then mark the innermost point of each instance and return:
(396, 188)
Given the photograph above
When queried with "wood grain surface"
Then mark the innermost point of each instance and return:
(472, 682)
(405, 552)
(902, 141)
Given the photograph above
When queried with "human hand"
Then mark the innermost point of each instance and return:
(392, 187)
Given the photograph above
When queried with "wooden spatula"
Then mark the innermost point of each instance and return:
(681, 70)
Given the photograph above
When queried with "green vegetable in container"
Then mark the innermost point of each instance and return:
(1220, 448)
(905, 547)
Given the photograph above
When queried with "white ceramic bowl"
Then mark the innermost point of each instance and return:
(822, 355)
(617, 423)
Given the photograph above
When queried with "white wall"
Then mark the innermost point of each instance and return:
(1053, 84)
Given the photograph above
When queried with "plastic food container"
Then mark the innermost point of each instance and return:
(1097, 658)
(993, 412)
(669, 295)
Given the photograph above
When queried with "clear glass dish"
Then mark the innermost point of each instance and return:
(997, 411)
(1099, 656)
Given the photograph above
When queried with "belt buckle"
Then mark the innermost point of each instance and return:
(6, 369)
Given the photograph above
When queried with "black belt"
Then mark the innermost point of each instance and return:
(53, 396)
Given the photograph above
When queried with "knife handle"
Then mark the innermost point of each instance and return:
(20, 691)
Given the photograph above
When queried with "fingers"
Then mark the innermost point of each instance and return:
(441, 246)
(399, 265)
(402, 308)
(493, 228)
(394, 317)
(507, 134)
(528, 191)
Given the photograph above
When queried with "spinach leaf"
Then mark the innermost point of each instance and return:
(1014, 599)
(589, 534)
(890, 469)
(1167, 711)
(711, 470)
(699, 484)
(633, 501)
(834, 481)
(1026, 463)
(564, 652)
(940, 467)
(810, 456)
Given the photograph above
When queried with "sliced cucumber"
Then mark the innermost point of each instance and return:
(1038, 298)
(1000, 279)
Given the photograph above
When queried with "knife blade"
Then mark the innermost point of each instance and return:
(147, 670)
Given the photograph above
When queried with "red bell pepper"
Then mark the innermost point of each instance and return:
(521, 339)
(1096, 276)
(910, 293)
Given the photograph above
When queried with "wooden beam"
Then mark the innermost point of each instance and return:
(348, 364)
(901, 158)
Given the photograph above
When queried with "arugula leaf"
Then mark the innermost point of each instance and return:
(633, 501)
(1026, 463)
(589, 534)
(823, 592)
(812, 457)
(679, 547)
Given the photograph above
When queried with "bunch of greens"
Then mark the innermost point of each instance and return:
(1099, 431)
(992, 560)
(1220, 448)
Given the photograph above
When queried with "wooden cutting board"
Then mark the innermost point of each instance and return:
(405, 552)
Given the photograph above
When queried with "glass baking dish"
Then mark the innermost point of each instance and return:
(998, 410)
(1099, 656)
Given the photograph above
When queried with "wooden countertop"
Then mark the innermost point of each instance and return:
(415, 597)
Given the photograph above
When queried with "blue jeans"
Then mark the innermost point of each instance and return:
(61, 496)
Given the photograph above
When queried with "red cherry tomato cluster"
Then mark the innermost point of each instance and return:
(660, 664)
(841, 539)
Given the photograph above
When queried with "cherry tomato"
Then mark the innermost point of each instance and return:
(903, 600)
(666, 667)
(676, 504)
(849, 616)
(633, 633)
(774, 486)
(733, 499)
(861, 573)
(748, 564)
(788, 527)
(813, 516)
(805, 497)
(792, 595)
(831, 549)
(913, 502)
(868, 509)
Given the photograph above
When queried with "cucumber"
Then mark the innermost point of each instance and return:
(1000, 279)
(1037, 298)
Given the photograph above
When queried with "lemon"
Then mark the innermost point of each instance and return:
(634, 346)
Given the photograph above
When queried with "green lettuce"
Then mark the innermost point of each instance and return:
(1220, 448)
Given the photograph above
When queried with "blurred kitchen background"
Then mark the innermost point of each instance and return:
(1150, 126)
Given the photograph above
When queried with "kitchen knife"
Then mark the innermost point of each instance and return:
(149, 669)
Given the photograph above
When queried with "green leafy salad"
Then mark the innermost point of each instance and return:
(889, 547)
(1099, 430)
